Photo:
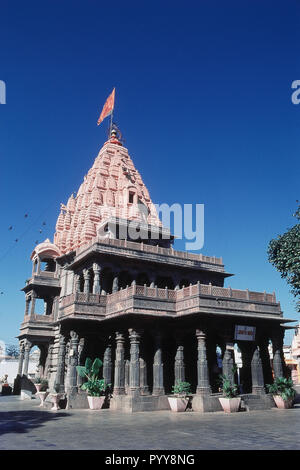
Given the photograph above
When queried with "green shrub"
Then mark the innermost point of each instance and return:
(181, 388)
(229, 389)
(94, 386)
(282, 387)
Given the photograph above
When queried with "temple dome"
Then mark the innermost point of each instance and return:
(45, 249)
(112, 188)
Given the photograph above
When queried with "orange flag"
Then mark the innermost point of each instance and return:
(108, 107)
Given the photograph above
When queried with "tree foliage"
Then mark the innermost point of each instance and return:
(12, 350)
(284, 254)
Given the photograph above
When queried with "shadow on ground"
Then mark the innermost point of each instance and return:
(25, 420)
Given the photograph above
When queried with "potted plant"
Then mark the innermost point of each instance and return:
(38, 383)
(283, 392)
(94, 386)
(42, 389)
(179, 400)
(230, 401)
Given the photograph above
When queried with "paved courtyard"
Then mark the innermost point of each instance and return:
(24, 425)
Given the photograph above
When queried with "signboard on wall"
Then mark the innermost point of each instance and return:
(244, 333)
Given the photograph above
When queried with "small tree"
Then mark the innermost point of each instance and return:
(284, 254)
(12, 350)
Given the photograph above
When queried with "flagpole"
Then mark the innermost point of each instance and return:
(111, 116)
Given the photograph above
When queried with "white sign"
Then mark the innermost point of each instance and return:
(244, 333)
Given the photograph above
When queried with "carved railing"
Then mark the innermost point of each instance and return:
(169, 294)
(153, 249)
(38, 318)
(215, 291)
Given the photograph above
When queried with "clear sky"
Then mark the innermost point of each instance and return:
(203, 98)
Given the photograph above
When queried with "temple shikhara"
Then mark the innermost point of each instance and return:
(114, 287)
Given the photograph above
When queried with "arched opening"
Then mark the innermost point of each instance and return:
(183, 283)
(142, 279)
(40, 306)
(165, 281)
(107, 280)
(125, 279)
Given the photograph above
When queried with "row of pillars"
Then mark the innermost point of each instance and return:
(131, 376)
(97, 285)
(25, 348)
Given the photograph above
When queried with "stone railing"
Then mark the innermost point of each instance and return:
(82, 297)
(152, 249)
(215, 291)
(43, 277)
(169, 295)
(38, 318)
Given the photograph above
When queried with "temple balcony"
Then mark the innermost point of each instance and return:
(37, 326)
(152, 253)
(193, 300)
(43, 279)
(36, 318)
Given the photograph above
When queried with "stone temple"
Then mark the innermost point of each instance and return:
(153, 315)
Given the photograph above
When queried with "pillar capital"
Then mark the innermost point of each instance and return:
(27, 345)
(120, 337)
(134, 335)
(74, 336)
(86, 273)
(201, 334)
(97, 267)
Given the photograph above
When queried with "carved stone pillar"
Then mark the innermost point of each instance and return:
(27, 303)
(21, 359)
(28, 346)
(134, 379)
(119, 385)
(71, 381)
(203, 386)
(179, 367)
(152, 279)
(80, 362)
(143, 377)
(228, 361)
(59, 383)
(77, 283)
(115, 285)
(107, 365)
(86, 276)
(257, 373)
(96, 284)
(127, 376)
(277, 341)
(158, 367)
(33, 297)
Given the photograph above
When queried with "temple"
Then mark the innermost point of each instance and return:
(113, 287)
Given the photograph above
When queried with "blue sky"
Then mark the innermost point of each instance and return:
(203, 98)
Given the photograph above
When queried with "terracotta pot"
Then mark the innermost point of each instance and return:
(230, 405)
(38, 387)
(43, 396)
(96, 403)
(281, 403)
(178, 403)
(55, 397)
